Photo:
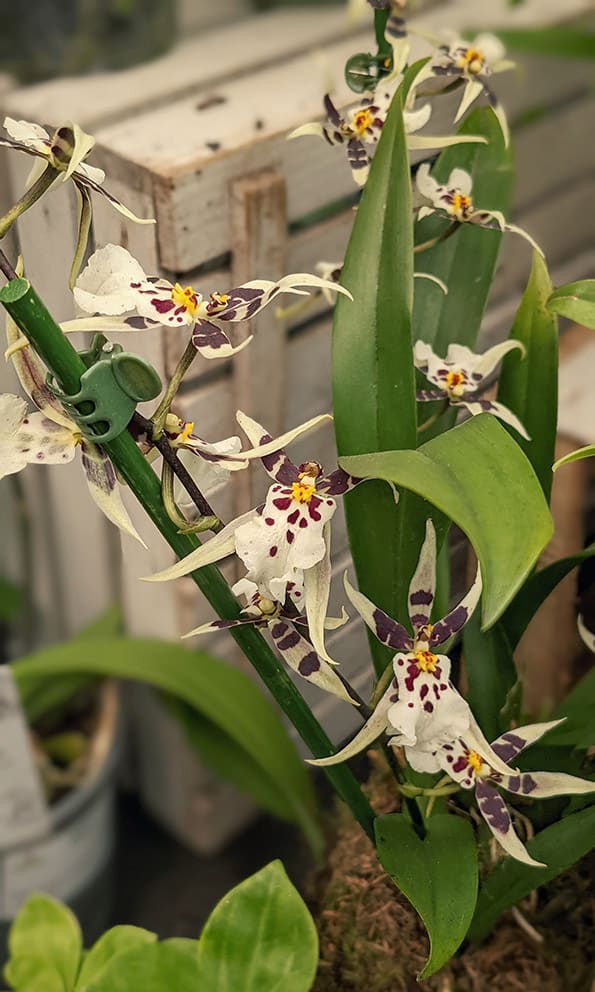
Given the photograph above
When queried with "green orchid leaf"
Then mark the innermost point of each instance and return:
(491, 674)
(576, 301)
(44, 944)
(260, 936)
(373, 376)
(478, 476)
(560, 40)
(558, 846)
(438, 875)
(529, 385)
(110, 945)
(222, 694)
(575, 456)
(468, 258)
(11, 601)
(536, 590)
(150, 968)
(577, 709)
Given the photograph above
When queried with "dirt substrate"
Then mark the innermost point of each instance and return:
(371, 939)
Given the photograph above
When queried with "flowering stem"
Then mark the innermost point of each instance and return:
(424, 245)
(66, 365)
(435, 416)
(28, 198)
(179, 372)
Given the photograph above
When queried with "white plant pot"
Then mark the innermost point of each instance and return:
(72, 861)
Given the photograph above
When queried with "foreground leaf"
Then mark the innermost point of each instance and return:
(222, 694)
(110, 945)
(576, 301)
(478, 476)
(566, 42)
(491, 674)
(529, 387)
(149, 968)
(438, 875)
(577, 710)
(559, 846)
(44, 940)
(259, 937)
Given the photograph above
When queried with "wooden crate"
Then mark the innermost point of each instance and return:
(198, 139)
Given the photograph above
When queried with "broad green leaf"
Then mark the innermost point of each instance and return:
(45, 695)
(491, 674)
(260, 936)
(578, 708)
(535, 591)
(45, 935)
(479, 477)
(468, 258)
(229, 762)
(529, 385)
(576, 301)
(558, 846)
(575, 456)
(110, 945)
(150, 968)
(438, 875)
(373, 376)
(560, 40)
(221, 693)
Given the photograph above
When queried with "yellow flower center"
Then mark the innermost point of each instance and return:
(472, 60)
(362, 121)
(185, 434)
(426, 661)
(456, 382)
(267, 606)
(474, 761)
(185, 297)
(461, 206)
(302, 492)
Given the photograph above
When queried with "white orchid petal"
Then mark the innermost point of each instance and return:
(546, 784)
(314, 128)
(27, 133)
(371, 730)
(473, 89)
(317, 587)
(426, 184)
(255, 431)
(493, 809)
(103, 487)
(423, 583)
(497, 410)
(104, 284)
(519, 230)
(219, 546)
(587, 636)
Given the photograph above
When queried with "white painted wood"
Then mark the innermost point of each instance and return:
(194, 15)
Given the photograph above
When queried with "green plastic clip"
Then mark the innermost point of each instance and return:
(364, 71)
(115, 381)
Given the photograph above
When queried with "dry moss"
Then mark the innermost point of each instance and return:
(372, 940)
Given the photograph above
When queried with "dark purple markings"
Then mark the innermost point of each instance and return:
(207, 335)
(508, 746)
(492, 808)
(395, 27)
(303, 523)
(421, 597)
(485, 405)
(309, 664)
(289, 536)
(523, 784)
(428, 395)
(449, 625)
(313, 511)
(332, 113)
(278, 465)
(391, 633)
(289, 640)
(293, 517)
(282, 502)
(139, 323)
(338, 482)
(98, 468)
(357, 155)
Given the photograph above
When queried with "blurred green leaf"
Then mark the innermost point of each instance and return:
(259, 937)
(529, 385)
(373, 376)
(558, 846)
(11, 601)
(491, 674)
(45, 946)
(576, 301)
(438, 875)
(478, 476)
(536, 590)
(559, 40)
(149, 968)
(220, 693)
(578, 708)
(110, 945)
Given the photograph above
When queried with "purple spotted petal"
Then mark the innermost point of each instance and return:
(332, 113)
(456, 619)
(301, 657)
(422, 586)
(278, 465)
(492, 808)
(542, 785)
(359, 160)
(387, 630)
(428, 395)
(337, 483)
(103, 486)
(209, 337)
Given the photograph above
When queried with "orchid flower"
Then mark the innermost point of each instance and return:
(395, 31)
(460, 375)
(50, 436)
(453, 200)
(65, 151)
(420, 706)
(295, 650)
(114, 283)
(363, 123)
(473, 62)
(286, 541)
(468, 764)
